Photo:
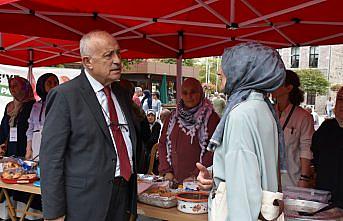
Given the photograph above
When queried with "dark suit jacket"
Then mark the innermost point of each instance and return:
(77, 155)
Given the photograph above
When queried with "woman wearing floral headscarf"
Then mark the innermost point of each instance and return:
(186, 134)
(14, 122)
(246, 141)
(37, 117)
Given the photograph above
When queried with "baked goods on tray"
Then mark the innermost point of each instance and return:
(158, 196)
(15, 170)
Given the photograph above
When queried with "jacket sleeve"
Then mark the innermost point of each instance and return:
(318, 141)
(55, 136)
(242, 173)
(306, 130)
(164, 166)
(4, 130)
(29, 132)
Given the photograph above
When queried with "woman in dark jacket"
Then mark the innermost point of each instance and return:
(14, 122)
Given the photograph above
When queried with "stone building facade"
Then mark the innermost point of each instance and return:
(327, 58)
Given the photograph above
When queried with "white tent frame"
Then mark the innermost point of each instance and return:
(223, 23)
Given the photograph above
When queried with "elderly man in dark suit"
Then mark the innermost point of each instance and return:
(88, 148)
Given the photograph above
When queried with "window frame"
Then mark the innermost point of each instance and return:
(313, 57)
(295, 57)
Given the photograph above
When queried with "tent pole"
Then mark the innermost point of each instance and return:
(30, 64)
(179, 68)
(217, 60)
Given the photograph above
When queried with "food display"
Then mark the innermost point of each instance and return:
(190, 185)
(18, 171)
(300, 210)
(160, 196)
(192, 202)
(303, 205)
(149, 178)
(309, 194)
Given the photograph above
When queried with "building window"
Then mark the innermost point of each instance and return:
(311, 99)
(295, 57)
(314, 54)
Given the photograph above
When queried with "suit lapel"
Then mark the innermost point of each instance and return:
(91, 100)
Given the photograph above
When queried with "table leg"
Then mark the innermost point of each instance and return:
(11, 210)
(27, 206)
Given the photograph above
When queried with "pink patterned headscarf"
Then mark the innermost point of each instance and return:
(191, 121)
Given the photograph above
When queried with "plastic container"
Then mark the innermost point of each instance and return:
(192, 202)
(299, 193)
(155, 200)
(190, 185)
(157, 195)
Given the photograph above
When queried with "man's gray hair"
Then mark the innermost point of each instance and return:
(85, 50)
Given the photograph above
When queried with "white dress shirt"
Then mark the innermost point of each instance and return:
(35, 124)
(100, 94)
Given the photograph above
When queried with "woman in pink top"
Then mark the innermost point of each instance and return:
(186, 134)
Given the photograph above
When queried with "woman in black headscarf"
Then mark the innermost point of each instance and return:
(37, 117)
(146, 101)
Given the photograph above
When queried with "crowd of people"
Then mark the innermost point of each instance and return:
(21, 126)
(94, 133)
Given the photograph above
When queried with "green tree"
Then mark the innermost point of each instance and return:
(313, 81)
(127, 62)
(213, 71)
(185, 62)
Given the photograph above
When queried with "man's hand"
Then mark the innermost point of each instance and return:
(204, 177)
(58, 219)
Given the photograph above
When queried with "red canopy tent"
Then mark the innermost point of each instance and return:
(153, 28)
(180, 28)
(36, 51)
(27, 50)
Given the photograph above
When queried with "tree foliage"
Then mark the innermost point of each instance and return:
(212, 70)
(127, 62)
(185, 62)
(336, 87)
(313, 81)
